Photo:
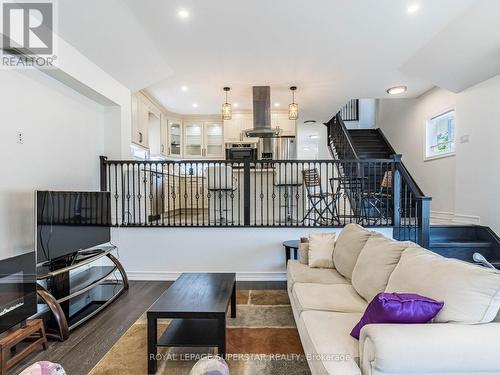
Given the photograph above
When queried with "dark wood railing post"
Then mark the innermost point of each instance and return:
(396, 192)
(424, 221)
(246, 192)
(103, 174)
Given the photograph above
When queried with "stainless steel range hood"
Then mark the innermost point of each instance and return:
(262, 114)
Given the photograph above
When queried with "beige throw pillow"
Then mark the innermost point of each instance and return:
(304, 250)
(321, 246)
(375, 263)
(351, 241)
(471, 293)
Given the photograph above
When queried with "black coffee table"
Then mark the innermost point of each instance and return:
(198, 304)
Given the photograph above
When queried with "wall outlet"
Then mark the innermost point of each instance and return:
(20, 137)
(464, 138)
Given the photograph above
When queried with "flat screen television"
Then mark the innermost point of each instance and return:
(70, 221)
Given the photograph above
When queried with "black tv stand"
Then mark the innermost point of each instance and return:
(71, 298)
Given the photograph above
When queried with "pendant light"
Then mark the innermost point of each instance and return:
(226, 107)
(293, 108)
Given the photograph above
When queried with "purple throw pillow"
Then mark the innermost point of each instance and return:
(398, 308)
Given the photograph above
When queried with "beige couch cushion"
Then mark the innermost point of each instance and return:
(377, 260)
(349, 244)
(326, 337)
(438, 349)
(321, 247)
(302, 273)
(470, 292)
(337, 297)
(304, 250)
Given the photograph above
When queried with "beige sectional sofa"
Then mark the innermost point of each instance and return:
(464, 338)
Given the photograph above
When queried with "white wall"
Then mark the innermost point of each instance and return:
(403, 123)
(464, 187)
(63, 136)
(69, 116)
(367, 115)
(478, 172)
(164, 253)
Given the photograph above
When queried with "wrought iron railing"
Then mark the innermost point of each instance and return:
(410, 208)
(222, 193)
(350, 111)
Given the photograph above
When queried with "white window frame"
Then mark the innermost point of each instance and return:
(426, 136)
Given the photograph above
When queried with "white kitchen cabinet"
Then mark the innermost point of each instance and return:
(164, 135)
(214, 140)
(234, 128)
(175, 138)
(154, 133)
(193, 140)
(140, 121)
(203, 139)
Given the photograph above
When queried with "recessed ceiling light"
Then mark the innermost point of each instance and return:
(413, 8)
(306, 149)
(184, 88)
(195, 105)
(314, 136)
(236, 105)
(183, 13)
(276, 104)
(397, 90)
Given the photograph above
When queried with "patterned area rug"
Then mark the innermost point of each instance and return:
(263, 339)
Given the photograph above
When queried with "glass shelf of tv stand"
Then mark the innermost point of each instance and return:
(88, 279)
(45, 271)
(86, 305)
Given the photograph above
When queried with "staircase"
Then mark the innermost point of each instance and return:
(454, 241)
(370, 144)
(400, 201)
(462, 241)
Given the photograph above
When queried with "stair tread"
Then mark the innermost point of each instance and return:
(461, 243)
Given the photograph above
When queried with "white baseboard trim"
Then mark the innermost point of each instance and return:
(438, 217)
(169, 276)
(467, 219)
(444, 217)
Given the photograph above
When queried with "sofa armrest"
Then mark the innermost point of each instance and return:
(430, 348)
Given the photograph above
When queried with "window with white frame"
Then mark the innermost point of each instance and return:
(440, 135)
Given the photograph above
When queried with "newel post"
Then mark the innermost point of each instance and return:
(396, 192)
(103, 174)
(246, 192)
(424, 222)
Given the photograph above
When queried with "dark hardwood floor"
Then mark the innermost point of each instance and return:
(90, 342)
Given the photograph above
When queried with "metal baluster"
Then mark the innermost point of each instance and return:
(209, 194)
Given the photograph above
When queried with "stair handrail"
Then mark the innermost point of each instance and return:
(347, 134)
(403, 170)
(337, 121)
(402, 177)
(415, 189)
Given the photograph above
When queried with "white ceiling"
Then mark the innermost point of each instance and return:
(464, 53)
(333, 50)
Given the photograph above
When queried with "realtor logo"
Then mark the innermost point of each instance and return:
(27, 28)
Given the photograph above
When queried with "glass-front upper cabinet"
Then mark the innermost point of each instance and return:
(193, 140)
(175, 138)
(214, 140)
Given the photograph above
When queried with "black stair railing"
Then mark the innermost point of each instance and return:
(409, 208)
